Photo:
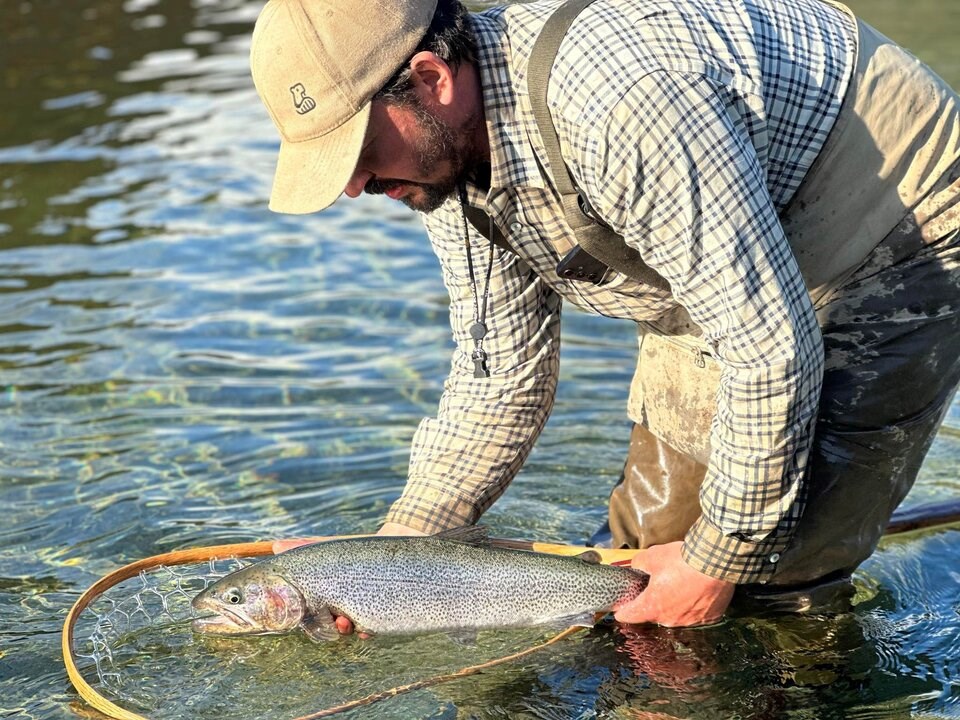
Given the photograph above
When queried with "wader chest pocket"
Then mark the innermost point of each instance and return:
(674, 392)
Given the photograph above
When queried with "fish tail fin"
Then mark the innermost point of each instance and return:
(591, 557)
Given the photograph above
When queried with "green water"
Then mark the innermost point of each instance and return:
(180, 367)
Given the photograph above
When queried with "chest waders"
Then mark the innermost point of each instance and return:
(875, 229)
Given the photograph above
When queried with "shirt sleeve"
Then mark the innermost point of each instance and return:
(463, 459)
(675, 173)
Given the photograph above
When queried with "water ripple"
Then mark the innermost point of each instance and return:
(182, 367)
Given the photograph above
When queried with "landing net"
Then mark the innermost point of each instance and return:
(130, 632)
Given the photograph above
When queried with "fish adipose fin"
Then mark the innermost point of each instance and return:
(320, 627)
(468, 534)
(591, 557)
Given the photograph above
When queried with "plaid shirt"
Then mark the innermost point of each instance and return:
(689, 125)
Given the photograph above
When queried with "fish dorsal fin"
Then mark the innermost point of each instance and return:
(468, 534)
(591, 557)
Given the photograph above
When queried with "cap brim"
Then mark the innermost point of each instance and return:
(312, 174)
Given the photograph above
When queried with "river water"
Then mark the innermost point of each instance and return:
(181, 367)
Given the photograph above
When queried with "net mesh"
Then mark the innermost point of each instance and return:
(132, 616)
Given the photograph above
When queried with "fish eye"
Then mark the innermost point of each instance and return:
(233, 596)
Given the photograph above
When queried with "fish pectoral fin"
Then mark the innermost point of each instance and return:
(469, 534)
(320, 627)
(591, 557)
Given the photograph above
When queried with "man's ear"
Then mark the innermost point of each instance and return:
(433, 79)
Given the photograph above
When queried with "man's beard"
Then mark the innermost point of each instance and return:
(437, 143)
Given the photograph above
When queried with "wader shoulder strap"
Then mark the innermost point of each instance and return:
(481, 223)
(599, 241)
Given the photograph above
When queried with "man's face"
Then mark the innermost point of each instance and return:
(414, 156)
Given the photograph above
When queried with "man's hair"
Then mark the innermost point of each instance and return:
(449, 37)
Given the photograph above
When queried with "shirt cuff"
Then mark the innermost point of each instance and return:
(732, 557)
(430, 510)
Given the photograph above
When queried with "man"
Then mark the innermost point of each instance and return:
(788, 173)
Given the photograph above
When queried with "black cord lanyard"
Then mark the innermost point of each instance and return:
(478, 329)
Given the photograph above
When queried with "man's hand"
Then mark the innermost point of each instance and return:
(678, 595)
(392, 528)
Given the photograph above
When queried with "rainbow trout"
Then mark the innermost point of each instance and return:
(454, 581)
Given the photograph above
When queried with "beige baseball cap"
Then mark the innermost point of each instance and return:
(316, 65)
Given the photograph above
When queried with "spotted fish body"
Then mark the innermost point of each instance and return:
(392, 585)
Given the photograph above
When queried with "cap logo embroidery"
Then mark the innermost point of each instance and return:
(301, 101)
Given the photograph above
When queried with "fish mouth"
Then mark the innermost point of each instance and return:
(223, 621)
(222, 625)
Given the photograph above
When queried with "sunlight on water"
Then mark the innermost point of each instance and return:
(182, 367)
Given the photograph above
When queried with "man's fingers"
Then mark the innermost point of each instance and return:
(280, 546)
(345, 627)
(634, 612)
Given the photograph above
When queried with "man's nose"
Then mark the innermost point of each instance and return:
(358, 181)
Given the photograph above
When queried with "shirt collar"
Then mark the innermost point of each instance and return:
(512, 162)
